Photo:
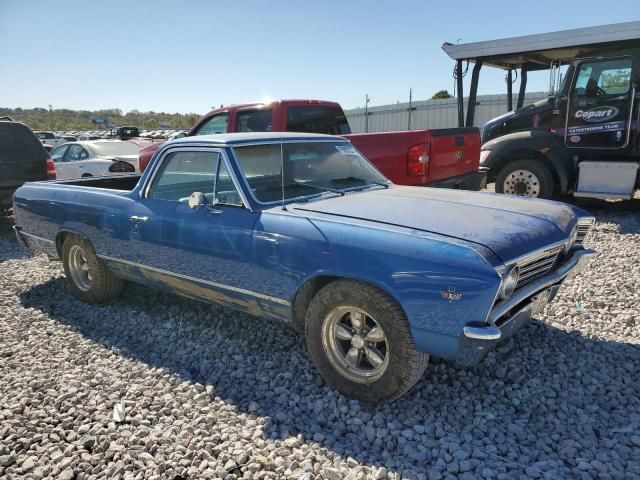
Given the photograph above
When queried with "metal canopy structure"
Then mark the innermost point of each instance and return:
(535, 52)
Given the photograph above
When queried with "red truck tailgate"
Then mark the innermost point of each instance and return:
(421, 157)
(454, 152)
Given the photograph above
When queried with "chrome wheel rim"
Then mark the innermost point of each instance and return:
(522, 182)
(355, 344)
(79, 268)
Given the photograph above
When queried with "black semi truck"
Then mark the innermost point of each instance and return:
(584, 138)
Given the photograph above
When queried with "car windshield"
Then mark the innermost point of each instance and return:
(106, 149)
(309, 168)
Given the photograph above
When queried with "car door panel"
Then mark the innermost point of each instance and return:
(205, 252)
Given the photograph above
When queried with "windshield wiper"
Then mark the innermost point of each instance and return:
(319, 187)
(356, 179)
(303, 184)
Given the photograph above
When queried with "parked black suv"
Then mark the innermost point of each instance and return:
(22, 159)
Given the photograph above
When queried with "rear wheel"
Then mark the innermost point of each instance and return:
(359, 339)
(528, 178)
(88, 278)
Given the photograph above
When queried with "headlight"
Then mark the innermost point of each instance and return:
(483, 155)
(509, 283)
(572, 240)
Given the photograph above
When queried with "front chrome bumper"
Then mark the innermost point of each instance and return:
(569, 269)
(507, 316)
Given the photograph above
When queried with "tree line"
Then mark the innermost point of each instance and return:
(65, 119)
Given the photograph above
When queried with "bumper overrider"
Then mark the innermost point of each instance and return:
(508, 315)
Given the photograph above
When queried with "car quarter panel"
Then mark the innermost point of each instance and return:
(100, 215)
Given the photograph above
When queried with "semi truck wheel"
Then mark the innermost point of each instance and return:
(88, 278)
(359, 339)
(528, 178)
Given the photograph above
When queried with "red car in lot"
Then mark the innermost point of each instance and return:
(437, 157)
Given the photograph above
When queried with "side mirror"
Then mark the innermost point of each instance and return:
(179, 135)
(196, 200)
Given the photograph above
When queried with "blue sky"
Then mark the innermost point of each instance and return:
(188, 56)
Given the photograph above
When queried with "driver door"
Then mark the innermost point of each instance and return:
(210, 244)
(599, 104)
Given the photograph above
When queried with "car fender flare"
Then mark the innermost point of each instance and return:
(534, 144)
(319, 279)
(63, 233)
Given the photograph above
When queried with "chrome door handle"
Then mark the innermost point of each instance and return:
(137, 219)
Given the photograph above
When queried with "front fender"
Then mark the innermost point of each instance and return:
(540, 144)
(441, 284)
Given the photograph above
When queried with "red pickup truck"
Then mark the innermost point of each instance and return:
(440, 157)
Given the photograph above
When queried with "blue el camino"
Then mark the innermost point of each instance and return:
(302, 228)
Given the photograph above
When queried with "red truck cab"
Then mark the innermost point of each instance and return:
(437, 157)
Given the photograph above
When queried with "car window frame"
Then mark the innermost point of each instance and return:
(66, 155)
(287, 201)
(209, 119)
(65, 147)
(146, 189)
(240, 112)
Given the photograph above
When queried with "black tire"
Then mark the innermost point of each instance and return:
(405, 363)
(103, 285)
(544, 185)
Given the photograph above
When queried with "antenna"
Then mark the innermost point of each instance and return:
(282, 169)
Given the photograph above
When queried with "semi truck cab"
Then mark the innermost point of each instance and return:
(584, 138)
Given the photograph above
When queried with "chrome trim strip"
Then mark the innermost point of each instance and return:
(571, 267)
(31, 235)
(198, 280)
(586, 221)
(482, 333)
(533, 256)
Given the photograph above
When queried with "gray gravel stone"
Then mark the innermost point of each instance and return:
(208, 388)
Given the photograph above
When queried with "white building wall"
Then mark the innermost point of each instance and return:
(430, 113)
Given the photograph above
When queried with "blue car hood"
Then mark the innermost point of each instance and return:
(509, 226)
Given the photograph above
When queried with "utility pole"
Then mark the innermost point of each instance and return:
(50, 117)
(411, 108)
(366, 113)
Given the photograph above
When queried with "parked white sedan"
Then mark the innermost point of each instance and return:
(95, 158)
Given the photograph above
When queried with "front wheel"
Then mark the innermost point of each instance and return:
(88, 278)
(528, 178)
(359, 339)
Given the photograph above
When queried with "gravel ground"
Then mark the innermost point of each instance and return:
(210, 393)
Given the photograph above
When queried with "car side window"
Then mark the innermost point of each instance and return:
(73, 155)
(256, 120)
(84, 154)
(215, 124)
(57, 154)
(600, 78)
(185, 172)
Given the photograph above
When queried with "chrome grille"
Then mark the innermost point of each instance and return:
(583, 230)
(537, 265)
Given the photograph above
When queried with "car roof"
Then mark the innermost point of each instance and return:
(256, 137)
